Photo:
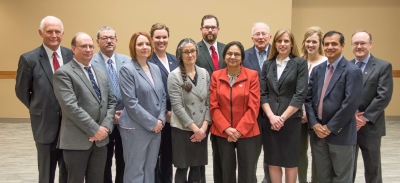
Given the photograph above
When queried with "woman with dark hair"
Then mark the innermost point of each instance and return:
(234, 106)
(283, 91)
(188, 88)
(166, 62)
(143, 118)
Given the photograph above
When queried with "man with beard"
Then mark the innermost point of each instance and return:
(254, 59)
(210, 57)
(110, 62)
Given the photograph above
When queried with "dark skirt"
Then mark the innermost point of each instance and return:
(186, 153)
(281, 148)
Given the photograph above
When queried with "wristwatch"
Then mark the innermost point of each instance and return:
(283, 117)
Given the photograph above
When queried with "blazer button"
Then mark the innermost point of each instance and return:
(201, 111)
(58, 113)
(157, 104)
(192, 103)
(194, 113)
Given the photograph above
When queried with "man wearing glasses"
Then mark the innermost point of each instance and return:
(88, 106)
(110, 62)
(210, 58)
(370, 116)
(254, 59)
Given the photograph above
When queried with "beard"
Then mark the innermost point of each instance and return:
(210, 38)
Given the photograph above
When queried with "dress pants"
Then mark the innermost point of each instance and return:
(86, 165)
(306, 133)
(246, 152)
(163, 171)
(335, 163)
(262, 119)
(371, 153)
(217, 167)
(115, 141)
(48, 156)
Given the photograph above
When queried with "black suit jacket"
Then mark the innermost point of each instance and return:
(204, 58)
(251, 59)
(173, 64)
(377, 93)
(342, 98)
(34, 88)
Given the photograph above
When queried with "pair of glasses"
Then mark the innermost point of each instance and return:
(213, 28)
(258, 34)
(236, 55)
(84, 47)
(362, 44)
(187, 53)
(105, 38)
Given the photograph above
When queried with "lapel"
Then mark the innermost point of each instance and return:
(201, 83)
(221, 57)
(99, 79)
(66, 57)
(274, 75)
(369, 69)
(173, 63)
(204, 50)
(144, 76)
(253, 58)
(45, 63)
(286, 72)
(268, 50)
(320, 77)
(81, 74)
(119, 61)
(336, 75)
(98, 61)
(158, 62)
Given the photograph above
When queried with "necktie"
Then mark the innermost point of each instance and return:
(261, 58)
(359, 64)
(113, 76)
(95, 87)
(56, 65)
(214, 57)
(326, 83)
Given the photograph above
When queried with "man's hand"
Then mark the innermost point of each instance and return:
(360, 120)
(168, 117)
(117, 115)
(158, 127)
(101, 134)
(319, 130)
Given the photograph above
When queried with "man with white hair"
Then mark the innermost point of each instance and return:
(254, 59)
(34, 88)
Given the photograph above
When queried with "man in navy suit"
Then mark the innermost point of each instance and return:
(377, 91)
(110, 62)
(334, 94)
(254, 59)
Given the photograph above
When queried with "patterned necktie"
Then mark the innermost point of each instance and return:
(326, 83)
(95, 87)
(56, 65)
(359, 64)
(261, 58)
(113, 76)
(214, 57)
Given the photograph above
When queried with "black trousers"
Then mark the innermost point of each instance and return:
(371, 153)
(115, 142)
(262, 119)
(163, 171)
(48, 156)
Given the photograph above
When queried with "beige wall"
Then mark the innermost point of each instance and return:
(379, 17)
(20, 20)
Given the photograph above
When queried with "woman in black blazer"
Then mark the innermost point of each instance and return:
(283, 91)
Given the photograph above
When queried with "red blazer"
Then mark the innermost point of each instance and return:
(235, 107)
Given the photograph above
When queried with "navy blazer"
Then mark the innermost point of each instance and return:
(173, 64)
(342, 98)
(251, 59)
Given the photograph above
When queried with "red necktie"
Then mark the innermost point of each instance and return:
(214, 57)
(326, 83)
(56, 65)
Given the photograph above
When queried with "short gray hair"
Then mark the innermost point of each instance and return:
(41, 26)
(260, 23)
(105, 28)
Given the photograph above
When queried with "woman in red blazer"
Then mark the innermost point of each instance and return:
(234, 107)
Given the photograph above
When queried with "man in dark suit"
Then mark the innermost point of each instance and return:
(254, 59)
(34, 88)
(88, 106)
(377, 91)
(334, 94)
(110, 62)
(210, 58)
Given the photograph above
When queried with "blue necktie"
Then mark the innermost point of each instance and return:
(95, 87)
(113, 76)
(261, 58)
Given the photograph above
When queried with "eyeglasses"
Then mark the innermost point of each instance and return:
(187, 53)
(236, 55)
(258, 34)
(105, 38)
(362, 44)
(213, 28)
(84, 47)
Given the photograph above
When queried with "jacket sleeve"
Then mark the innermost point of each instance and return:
(217, 117)
(23, 82)
(301, 85)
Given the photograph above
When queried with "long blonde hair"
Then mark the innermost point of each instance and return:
(311, 31)
(294, 51)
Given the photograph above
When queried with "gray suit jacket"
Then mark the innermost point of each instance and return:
(34, 88)
(377, 93)
(99, 62)
(83, 113)
(204, 58)
(144, 102)
(189, 107)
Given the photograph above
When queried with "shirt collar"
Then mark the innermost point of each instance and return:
(335, 63)
(266, 49)
(50, 52)
(81, 65)
(284, 61)
(209, 45)
(365, 60)
(106, 58)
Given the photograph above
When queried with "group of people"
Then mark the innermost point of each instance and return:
(154, 110)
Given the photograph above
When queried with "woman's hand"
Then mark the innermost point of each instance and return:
(158, 126)
(198, 136)
(233, 134)
(304, 118)
(276, 122)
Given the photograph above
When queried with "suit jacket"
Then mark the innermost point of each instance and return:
(144, 102)
(342, 98)
(99, 62)
(251, 59)
(204, 58)
(235, 106)
(189, 107)
(83, 112)
(34, 88)
(377, 93)
(173, 64)
(289, 90)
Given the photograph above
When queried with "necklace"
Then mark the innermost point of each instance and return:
(234, 75)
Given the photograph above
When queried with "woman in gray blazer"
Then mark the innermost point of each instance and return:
(188, 88)
(143, 117)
